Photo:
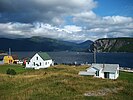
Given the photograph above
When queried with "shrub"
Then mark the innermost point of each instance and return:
(11, 72)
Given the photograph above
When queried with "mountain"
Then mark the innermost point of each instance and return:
(41, 44)
(113, 45)
(85, 46)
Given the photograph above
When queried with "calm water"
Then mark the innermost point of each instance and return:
(124, 59)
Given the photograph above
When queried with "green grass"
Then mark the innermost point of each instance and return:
(61, 83)
(19, 69)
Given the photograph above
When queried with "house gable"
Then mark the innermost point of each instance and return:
(36, 58)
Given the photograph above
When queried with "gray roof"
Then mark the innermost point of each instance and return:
(110, 67)
(97, 66)
(86, 73)
(105, 67)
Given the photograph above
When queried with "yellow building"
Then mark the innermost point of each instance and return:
(8, 60)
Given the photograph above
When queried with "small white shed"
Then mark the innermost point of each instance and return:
(110, 71)
(39, 60)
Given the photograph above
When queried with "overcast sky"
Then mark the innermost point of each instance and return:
(69, 20)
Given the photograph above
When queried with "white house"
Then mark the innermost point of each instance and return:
(39, 60)
(110, 71)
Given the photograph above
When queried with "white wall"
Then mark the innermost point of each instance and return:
(111, 75)
(116, 74)
(46, 64)
(101, 75)
(90, 70)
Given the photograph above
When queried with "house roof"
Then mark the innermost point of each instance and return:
(105, 67)
(97, 66)
(15, 57)
(44, 55)
(27, 59)
(110, 67)
(86, 73)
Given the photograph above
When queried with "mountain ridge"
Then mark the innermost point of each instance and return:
(113, 45)
(41, 44)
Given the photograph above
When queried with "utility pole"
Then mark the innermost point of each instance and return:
(94, 55)
(9, 51)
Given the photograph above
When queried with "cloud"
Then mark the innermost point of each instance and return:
(84, 16)
(68, 33)
(73, 28)
(113, 27)
(72, 20)
(47, 11)
(107, 26)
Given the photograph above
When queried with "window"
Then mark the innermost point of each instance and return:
(34, 63)
(36, 58)
(45, 63)
(40, 63)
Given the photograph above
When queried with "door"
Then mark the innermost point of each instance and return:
(97, 73)
(106, 74)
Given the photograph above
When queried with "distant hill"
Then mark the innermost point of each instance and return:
(113, 45)
(42, 44)
(85, 46)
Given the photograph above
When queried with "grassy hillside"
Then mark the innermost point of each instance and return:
(62, 83)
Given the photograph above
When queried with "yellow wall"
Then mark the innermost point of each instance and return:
(8, 60)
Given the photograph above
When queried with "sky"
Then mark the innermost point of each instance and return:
(68, 20)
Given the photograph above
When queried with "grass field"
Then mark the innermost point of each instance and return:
(62, 83)
(18, 68)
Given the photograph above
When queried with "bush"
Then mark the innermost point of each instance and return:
(11, 72)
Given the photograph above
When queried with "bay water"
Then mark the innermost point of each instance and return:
(65, 57)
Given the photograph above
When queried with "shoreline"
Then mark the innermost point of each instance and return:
(3, 54)
(126, 69)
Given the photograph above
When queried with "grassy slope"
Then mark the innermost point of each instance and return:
(61, 83)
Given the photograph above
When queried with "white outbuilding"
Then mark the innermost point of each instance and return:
(110, 71)
(39, 60)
